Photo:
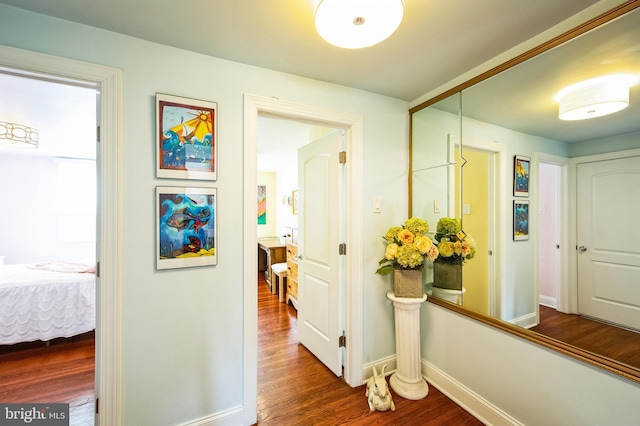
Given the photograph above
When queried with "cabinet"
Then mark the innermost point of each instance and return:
(292, 274)
(273, 251)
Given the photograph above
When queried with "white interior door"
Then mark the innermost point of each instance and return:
(608, 235)
(319, 265)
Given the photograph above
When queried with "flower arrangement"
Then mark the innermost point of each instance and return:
(454, 245)
(407, 247)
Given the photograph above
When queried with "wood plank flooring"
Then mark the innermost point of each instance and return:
(60, 372)
(591, 335)
(294, 388)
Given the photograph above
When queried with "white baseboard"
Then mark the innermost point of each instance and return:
(389, 361)
(473, 403)
(232, 417)
(470, 401)
(525, 321)
(548, 301)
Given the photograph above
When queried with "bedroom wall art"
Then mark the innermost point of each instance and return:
(520, 220)
(186, 227)
(187, 139)
(262, 205)
(521, 176)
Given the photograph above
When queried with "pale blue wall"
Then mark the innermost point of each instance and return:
(602, 145)
(183, 329)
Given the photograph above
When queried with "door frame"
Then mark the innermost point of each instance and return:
(108, 366)
(352, 124)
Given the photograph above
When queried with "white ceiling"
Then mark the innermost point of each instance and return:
(63, 114)
(521, 98)
(436, 41)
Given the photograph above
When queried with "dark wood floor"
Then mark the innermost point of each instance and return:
(294, 388)
(594, 336)
(60, 372)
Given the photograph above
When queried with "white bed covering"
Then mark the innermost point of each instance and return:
(37, 302)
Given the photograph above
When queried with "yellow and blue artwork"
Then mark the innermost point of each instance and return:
(520, 220)
(186, 227)
(186, 138)
(521, 176)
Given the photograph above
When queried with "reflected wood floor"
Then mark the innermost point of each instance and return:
(294, 388)
(61, 372)
(591, 335)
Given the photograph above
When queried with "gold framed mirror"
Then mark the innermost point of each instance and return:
(493, 117)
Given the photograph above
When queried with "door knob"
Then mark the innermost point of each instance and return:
(297, 257)
(582, 249)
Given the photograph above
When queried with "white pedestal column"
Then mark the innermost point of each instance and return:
(407, 381)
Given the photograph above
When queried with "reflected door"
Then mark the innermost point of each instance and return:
(608, 235)
(476, 213)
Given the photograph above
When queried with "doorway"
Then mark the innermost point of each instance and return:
(299, 169)
(550, 219)
(108, 227)
(352, 124)
(548, 236)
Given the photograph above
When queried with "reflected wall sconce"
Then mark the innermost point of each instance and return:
(595, 98)
(18, 135)
(354, 24)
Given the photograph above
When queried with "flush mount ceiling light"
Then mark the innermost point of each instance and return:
(354, 24)
(595, 98)
(18, 135)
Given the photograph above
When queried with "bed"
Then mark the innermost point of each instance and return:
(45, 301)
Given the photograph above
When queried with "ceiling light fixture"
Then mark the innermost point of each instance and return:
(18, 135)
(595, 98)
(354, 24)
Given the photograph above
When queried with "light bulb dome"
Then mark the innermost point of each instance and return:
(595, 98)
(354, 24)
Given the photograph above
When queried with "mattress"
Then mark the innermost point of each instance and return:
(45, 301)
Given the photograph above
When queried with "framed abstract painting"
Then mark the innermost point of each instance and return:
(521, 169)
(520, 220)
(186, 138)
(186, 227)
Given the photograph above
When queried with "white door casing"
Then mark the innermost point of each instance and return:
(353, 126)
(319, 263)
(109, 225)
(607, 240)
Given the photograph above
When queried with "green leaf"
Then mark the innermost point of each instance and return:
(385, 270)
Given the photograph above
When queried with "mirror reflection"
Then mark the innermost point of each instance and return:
(582, 177)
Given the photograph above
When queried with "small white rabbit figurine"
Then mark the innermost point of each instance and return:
(377, 392)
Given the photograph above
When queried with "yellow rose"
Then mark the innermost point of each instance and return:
(405, 237)
(391, 251)
(445, 248)
(423, 244)
(457, 248)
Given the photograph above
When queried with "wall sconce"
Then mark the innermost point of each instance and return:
(18, 135)
(354, 24)
(595, 98)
